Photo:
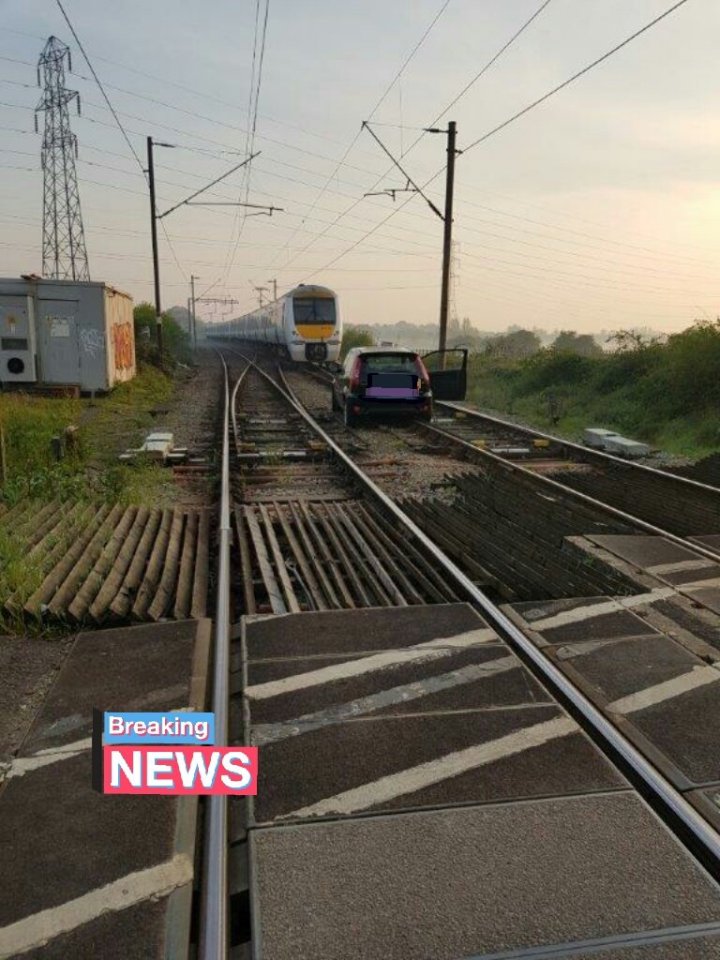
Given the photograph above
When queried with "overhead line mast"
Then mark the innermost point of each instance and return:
(447, 217)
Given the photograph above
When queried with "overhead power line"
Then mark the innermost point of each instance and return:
(501, 126)
(250, 141)
(374, 110)
(71, 28)
(506, 46)
(118, 122)
(483, 70)
(574, 77)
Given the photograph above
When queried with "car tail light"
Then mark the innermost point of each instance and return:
(355, 375)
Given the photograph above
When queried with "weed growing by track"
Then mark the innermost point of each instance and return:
(107, 426)
(19, 574)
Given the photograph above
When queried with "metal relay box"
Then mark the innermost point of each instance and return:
(65, 332)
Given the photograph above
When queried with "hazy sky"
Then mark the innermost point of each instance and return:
(599, 209)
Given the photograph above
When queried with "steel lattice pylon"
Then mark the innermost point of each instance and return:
(64, 253)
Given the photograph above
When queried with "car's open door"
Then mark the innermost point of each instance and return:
(448, 373)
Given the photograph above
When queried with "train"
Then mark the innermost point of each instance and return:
(304, 324)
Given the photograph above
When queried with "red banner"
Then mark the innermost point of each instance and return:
(178, 770)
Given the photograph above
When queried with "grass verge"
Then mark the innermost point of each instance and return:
(107, 426)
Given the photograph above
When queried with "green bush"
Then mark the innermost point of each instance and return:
(353, 337)
(665, 393)
(176, 342)
(548, 368)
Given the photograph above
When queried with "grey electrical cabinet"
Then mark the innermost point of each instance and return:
(65, 332)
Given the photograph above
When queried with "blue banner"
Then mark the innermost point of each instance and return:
(150, 728)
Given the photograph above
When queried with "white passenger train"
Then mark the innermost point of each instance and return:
(304, 324)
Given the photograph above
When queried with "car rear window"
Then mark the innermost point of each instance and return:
(391, 363)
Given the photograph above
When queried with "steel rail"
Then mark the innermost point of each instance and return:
(213, 907)
(588, 452)
(671, 799)
(233, 399)
(558, 485)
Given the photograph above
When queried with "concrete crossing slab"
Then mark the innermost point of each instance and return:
(708, 596)
(355, 631)
(693, 576)
(643, 550)
(711, 540)
(623, 667)
(72, 854)
(665, 698)
(486, 881)
(133, 666)
(685, 945)
(685, 729)
(426, 679)
(452, 717)
(427, 759)
(583, 618)
(134, 934)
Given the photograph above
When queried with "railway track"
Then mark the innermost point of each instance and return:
(654, 495)
(674, 503)
(308, 685)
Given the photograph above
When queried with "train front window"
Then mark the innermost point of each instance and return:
(314, 310)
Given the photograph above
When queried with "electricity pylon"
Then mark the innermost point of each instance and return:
(64, 253)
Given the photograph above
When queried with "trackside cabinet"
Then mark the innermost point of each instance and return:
(64, 332)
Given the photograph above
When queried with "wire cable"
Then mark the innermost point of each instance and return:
(467, 87)
(354, 140)
(506, 123)
(120, 126)
(229, 265)
(100, 86)
(573, 78)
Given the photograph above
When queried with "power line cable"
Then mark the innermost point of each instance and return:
(477, 76)
(483, 70)
(389, 87)
(510, 120)
(573, 78)
(583, 255)
(224, 147)
(644, 252)
(504, 214)
(261, 60)
(100, 86)
(119, 123)
(246, 172)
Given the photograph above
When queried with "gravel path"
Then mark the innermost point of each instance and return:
(194, 409)
(192, 415)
